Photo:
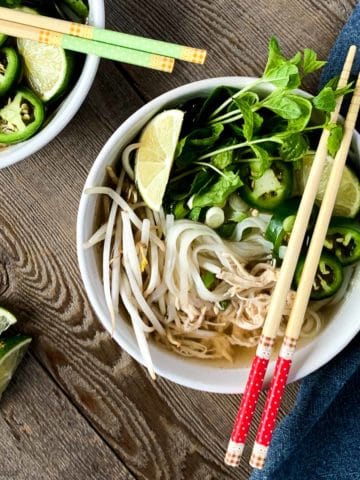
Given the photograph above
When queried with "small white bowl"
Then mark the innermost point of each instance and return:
(69, 106)
(201, 375)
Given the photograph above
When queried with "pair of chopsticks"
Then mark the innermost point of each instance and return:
(283, 285)
(122, 47)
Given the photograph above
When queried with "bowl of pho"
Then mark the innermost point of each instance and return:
(185, 218)
(42, 86)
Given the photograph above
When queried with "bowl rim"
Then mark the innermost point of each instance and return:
(305, 360)
(68, 107)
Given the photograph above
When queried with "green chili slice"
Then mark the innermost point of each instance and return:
(343, 240)
(10, 69)
(328, 278)
(270, 190)
(21, 117)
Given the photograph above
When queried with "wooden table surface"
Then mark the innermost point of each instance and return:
(79, 407)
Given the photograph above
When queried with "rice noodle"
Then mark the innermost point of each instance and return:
(157, 266)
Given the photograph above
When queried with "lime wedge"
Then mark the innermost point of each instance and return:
(348, 198)
(155, 156)
(12, 351)
(47, 68)
(6, 320)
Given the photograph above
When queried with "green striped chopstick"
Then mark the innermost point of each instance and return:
(110, 37)
(82, 45)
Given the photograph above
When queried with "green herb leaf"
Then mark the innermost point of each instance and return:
(224, 159)
(280, 71)
(197, 142)
(219, 191)
(214, 100)
(263, 163)
(208, 279)
(305, 105)
(283, 105)
(248, 117)
(294, 147)
(325, 100)
(335, 139)
(285, 75)
(310, 61)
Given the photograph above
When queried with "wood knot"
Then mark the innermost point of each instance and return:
(4, 279)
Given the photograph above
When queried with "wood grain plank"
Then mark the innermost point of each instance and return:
(235, 33)
(44, 437)
(161, 430)
(40, 282)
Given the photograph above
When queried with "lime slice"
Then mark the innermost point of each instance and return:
(12, 351)
(47, 68)
(6, 320)
(155, 156)
(348, 198)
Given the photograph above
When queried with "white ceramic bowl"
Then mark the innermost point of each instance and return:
(193, 373)
(69, 106)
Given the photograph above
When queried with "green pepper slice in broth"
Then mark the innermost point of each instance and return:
(343, 240)
(270, 190)
(328, 278)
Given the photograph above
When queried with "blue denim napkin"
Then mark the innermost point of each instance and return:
(320, 438)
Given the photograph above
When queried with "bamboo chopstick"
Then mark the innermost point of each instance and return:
(283, 364)
(132, 42)
(282, 287)
(76, 44)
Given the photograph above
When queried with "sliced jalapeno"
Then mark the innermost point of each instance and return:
(270, 190)
(3, 38)
(21, 117)
(328, 278)
(343, 240)
(10, 68)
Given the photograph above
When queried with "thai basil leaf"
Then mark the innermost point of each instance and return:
(218, 193)
(325, 100)
(282, 104)
(305, 105)
(310, 62)
(335, 138)
(262, 163)
(248, 117)
(280, 71)
(294, 147)
(224, 159)
(214, 100)
(198, 141)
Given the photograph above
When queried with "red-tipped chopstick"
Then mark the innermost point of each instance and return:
(278, 300)
(283, 364)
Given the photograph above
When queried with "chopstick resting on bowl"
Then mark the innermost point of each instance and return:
(282, 287)
(81, 45)
(103, 36)
(295, 322)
